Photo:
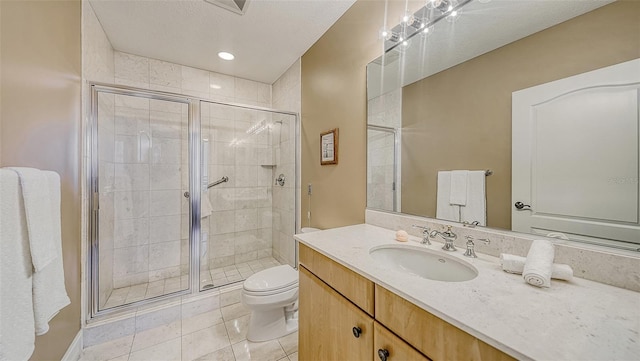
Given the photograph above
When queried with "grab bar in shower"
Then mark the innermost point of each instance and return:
(219, 181)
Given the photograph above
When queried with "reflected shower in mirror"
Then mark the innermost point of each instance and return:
(447, 94)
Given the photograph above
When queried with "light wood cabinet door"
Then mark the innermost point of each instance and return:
(351, 285)
(327, 322)
(430, 335)
(389, 347)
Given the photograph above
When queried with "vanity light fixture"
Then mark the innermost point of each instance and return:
(421, 22)
(416, 22)
(226, 56)
(392, 36)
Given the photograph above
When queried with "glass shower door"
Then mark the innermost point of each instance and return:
(141, 172)
(248, 198)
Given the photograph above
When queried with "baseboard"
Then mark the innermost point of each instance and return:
(75, 349)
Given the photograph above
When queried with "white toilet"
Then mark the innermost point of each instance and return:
(272, 296)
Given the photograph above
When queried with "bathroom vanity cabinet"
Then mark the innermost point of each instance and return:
(345, 316)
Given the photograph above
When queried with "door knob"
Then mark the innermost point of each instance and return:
(383, 354)
(521, 206)
(357, 331)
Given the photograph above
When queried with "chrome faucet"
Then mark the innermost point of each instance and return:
(425, 234)
(448, 237)
(470, 252)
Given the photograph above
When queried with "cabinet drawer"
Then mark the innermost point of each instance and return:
(430, 335)
(350, 284)
(397, 349)
(331, 327)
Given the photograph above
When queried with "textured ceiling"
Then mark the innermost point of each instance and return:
(266, 40)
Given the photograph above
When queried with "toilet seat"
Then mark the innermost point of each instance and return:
(271, 281)
(271, 292)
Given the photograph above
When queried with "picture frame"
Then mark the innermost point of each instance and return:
(329, 147)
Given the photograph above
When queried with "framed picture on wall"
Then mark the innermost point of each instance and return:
(329, 147)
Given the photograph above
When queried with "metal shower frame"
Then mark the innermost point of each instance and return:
(195, 188)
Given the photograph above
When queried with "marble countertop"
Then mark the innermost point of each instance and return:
(576, 320)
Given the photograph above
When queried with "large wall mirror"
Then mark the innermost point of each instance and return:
(541, 96)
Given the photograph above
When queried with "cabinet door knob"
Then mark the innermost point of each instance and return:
(357, 331)
(383, 354)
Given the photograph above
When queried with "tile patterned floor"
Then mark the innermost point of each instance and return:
(216, 277)
(238, 272)
(215, 335)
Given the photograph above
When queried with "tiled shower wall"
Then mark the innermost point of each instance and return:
(239, 230)
(385, 111)
(286, 95)
(148, 179)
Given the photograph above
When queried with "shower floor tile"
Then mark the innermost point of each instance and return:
(214, 277)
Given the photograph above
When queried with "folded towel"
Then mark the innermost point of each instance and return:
(458, 195)
(537, 268)
(444, 209)
(17, 329)
(476, 208)
(49, 293)
(515, 264)
(205, 205)
(37, 207)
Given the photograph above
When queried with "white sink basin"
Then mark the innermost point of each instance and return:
(423, 262)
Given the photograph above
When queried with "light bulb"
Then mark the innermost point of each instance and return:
(416, 23)
(390, 36)
(454, 13)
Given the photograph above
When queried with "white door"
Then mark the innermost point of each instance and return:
(575, 155)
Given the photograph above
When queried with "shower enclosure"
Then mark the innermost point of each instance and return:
(382, 165)
(186, 194)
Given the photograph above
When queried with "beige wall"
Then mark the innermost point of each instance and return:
(40, 126)
(461, 118)
(334, 96)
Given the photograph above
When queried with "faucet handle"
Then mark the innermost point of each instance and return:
(425, 234)
(470, 252)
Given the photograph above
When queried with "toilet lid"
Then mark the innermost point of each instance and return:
(271, 279)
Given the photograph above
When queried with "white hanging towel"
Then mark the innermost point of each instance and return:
(42, 212)
(476, 207)
(37, 207)
(458, 194)
(17, 327)
(444, 209)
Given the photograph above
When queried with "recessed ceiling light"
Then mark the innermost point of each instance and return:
(226, 56)
(215, 86)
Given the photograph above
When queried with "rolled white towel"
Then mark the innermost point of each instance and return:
(515, 264)
(537, 268)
